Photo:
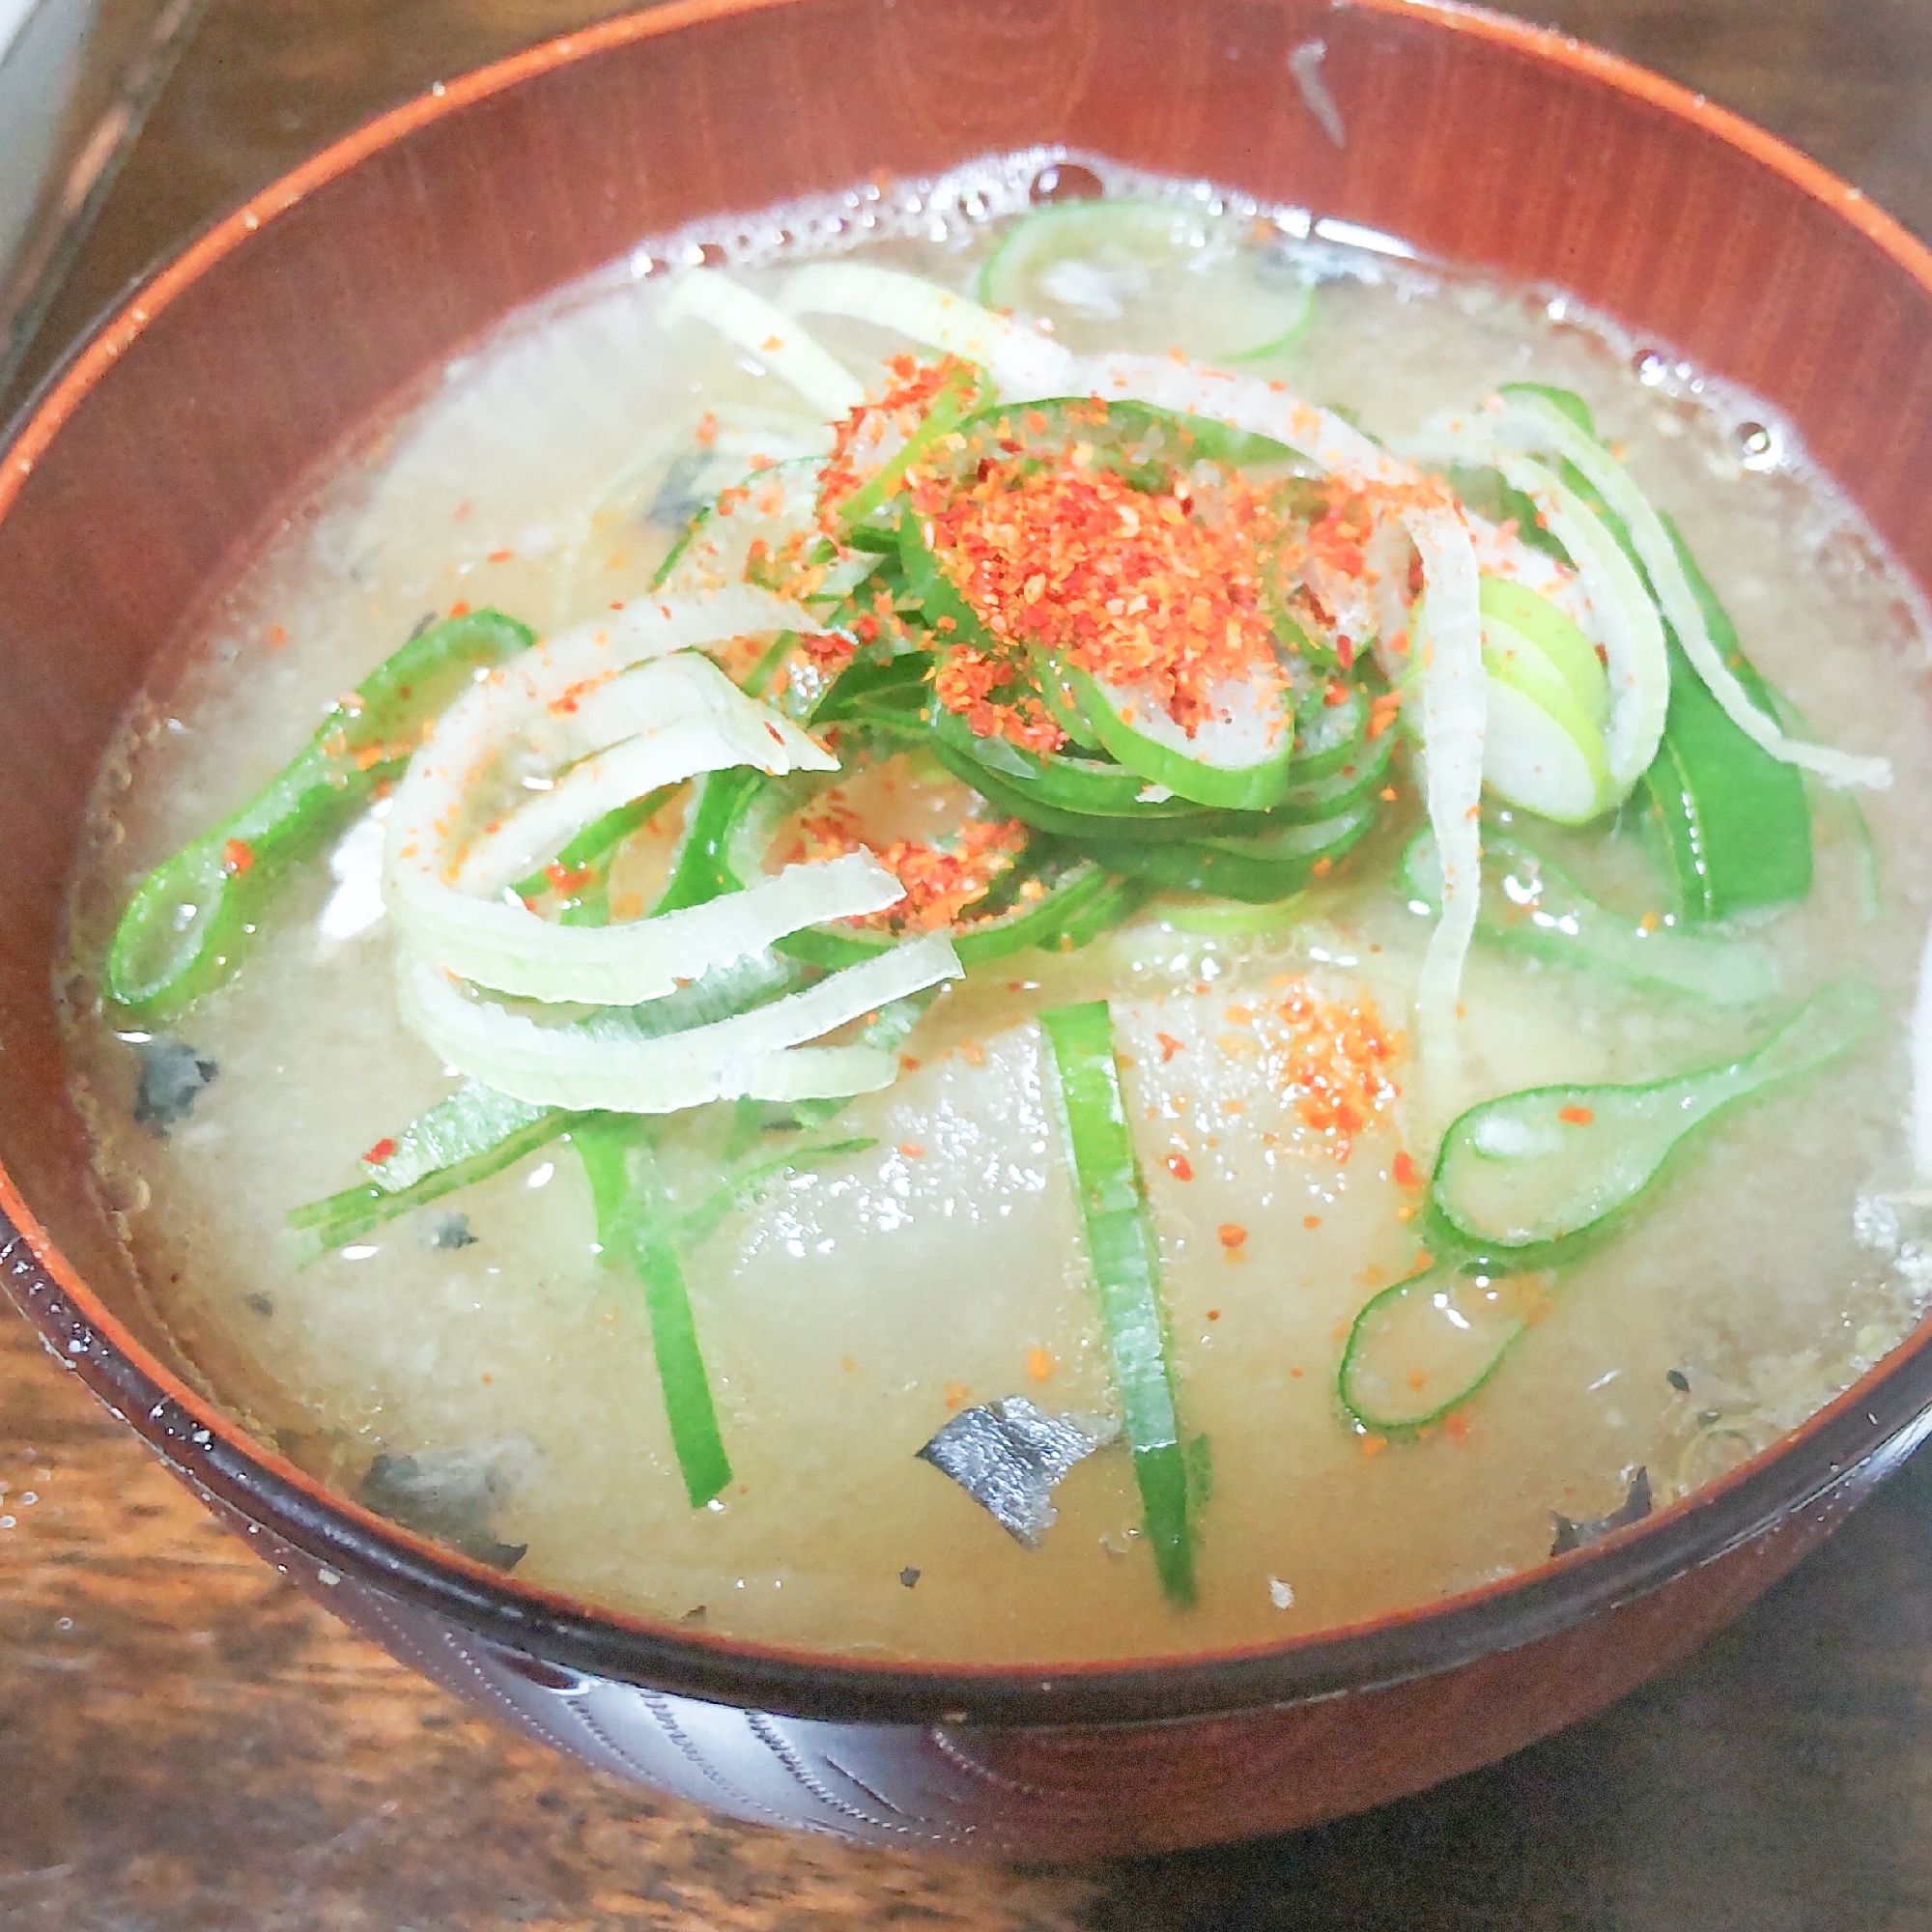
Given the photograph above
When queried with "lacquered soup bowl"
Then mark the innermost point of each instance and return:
(152, 464)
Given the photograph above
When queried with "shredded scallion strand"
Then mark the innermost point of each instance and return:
(1084, 1082)
(619, 1165)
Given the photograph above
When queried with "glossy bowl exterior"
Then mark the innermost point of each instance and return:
(144, 475)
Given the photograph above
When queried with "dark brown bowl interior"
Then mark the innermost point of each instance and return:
(142, 475)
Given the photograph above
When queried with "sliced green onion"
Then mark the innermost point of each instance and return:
(1425, 1345)
(608, 1062)
(1124, 1253)
(1518, 1176)
(186, 926)
(1535, 416)
(619, 1165)
(1150, 266)
(1532, 906)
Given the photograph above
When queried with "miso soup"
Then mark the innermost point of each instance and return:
(944, 926)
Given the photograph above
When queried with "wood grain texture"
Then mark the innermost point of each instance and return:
(199, 1748)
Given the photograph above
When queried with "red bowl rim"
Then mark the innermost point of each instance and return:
(1849, 1444)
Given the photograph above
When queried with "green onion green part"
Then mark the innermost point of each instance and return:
(1085, 1085)
(189, 922)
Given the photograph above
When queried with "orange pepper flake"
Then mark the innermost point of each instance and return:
(1415, 1380)
(1649, 923)
(1333, 1058)
(1577, 1117)
(1403, 1170)
(707, 430)
(973, 1053)
(1374, 1445)
(1169, 1047)
(940, 884)
(1456, 1425)
(237, 857)
(1311, 1221)
(460, 609)
(568, 879)
(1231, 1233)
(1039, 1364)
(907, 1064)
(1213, 1315)
(1180, 1166)
(379, 1152)
(1129, 585)
(911, 1149)
(278, 637)
(956, 1394)
(502, 556)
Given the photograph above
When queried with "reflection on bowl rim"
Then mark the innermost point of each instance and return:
(1848, 1444)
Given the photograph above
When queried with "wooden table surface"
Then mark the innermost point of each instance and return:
(189, 1746)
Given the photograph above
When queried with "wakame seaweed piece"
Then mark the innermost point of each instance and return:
(889, 698)
(1735, 821)
(172, 1077)
(453, 1496)
(1258, 870)
(1084, 1084)
(1426, 1344)
(1567, 1534)
(619, 1163)
(1520, 1177)
(183, 932)
(1009, 1456)
(1531, 905)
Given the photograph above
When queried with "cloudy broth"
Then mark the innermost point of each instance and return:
(481, 1352)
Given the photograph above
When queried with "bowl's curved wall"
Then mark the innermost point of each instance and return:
(152, 463)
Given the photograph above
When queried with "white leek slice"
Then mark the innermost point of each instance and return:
(1455, 727)
(1623, 617)
(594, 1064)
(512, 951)
(1245, 402)
(511, 948)
(1544, 754)
(686, 740)
(1023, 364)
(771, 335)
(1535, 419)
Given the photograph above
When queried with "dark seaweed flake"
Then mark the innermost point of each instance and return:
(1678, 1380)
(1633, 1508)
(908, 1575)
(1009, 1455)
(172, 1077)
(682, 493)
(263, 1305)
(453, 1495)
(445, 1228)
